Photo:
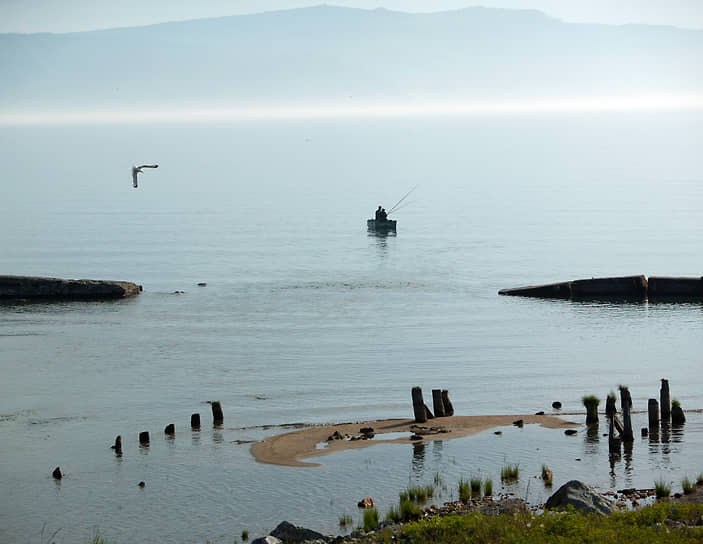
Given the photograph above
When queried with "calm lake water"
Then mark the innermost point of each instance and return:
(306, 317)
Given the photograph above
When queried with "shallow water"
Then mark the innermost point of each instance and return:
(306, 317)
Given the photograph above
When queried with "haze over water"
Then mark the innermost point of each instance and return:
(306, 317)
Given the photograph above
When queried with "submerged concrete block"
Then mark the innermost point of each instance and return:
(27, 287)
(551, 290)
(665, 287)
(621, 287)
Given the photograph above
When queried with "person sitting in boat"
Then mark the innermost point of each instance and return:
(382, 216)
(378, 213)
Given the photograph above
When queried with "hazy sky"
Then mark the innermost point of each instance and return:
(76, 15)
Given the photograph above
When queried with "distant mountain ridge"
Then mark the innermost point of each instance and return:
(335, 54)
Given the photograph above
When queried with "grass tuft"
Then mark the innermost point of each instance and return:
(687, 485)
(662, 489)
(475, 484)
(345, 520)
(509, 473)
(370, 519)
(488, 487)
(464, 490)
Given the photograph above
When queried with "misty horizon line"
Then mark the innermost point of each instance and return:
(623, 103)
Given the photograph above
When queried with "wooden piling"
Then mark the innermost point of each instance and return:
(57, 474)
(610, 406)
(118, 445)
(419, 408)
(591, 403)
(170, 429)
(144, 438)
(653, 409)
(626, 407)
(217, 416)
(665, 401)
(448, 408)
(438, 403)
(195, 421)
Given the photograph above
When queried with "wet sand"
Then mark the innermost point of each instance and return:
(290, 449)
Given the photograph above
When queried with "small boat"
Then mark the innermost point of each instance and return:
(385, 226)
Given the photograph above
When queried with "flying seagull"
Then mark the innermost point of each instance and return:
(138, 170)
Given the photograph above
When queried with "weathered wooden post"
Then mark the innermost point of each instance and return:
(118, 445)
(195, 421)
(613, 441)
(653, 411)
(591, 403)
(677, 417)
(57, 474)
(438, 403)
(448, 408)
(626, 407)
(610, 408)
(665, 401)
(418, 405)
(217, 416)
(170, 429)
(144, 438)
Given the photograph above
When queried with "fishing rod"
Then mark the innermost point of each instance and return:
(401, 200)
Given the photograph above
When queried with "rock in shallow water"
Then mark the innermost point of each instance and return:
(287, 532)
(581, 497)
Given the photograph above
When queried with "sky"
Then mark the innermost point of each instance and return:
(79, 15)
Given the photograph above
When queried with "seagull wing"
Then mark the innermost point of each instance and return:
(149, 166)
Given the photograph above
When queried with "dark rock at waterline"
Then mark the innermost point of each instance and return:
(366, 502)
(57, 473)
(570, 432)
(518, 423)
(39, 288)
(170, 429)
(202, 284)
(581, 497)
(540, 413)
(117, 446)
(556, 405)
(287, 532)
(141, 484)
(677, 415)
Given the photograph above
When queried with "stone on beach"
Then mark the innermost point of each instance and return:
(581, 497)
(366, 502)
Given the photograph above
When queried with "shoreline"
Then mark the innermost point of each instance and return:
(292, 448)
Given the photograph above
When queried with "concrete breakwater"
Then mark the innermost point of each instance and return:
(625, 287)
(37, 288)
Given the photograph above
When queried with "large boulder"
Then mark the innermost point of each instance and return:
(581, 497)
(287, 532)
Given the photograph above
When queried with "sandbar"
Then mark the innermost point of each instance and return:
(290, 449)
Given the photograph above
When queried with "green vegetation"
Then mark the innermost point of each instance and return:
(488, 487)
(662, 489)
(370, 519)
(675, 403)
(438, 480)
(418, 493)
(645, 526)
(406, 511)
(699, 480)
(245, 535)
(345, 520)
(464, 490)
(687, 485)
(509, 473)
(475, 487)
